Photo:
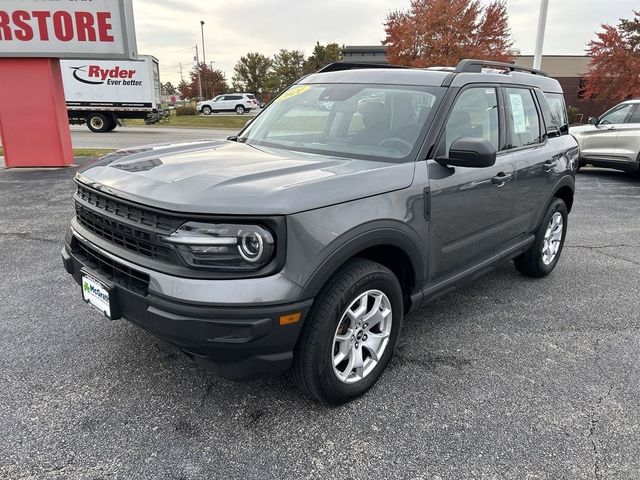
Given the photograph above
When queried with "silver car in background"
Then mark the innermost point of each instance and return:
(612, 140)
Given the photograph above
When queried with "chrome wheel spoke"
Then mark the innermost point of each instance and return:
(552, 238)
(356, 348)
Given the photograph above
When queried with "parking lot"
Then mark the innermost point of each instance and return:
(507, 378)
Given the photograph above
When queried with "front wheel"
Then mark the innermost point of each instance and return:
(349, 336)
(545, 252)
(207, 110)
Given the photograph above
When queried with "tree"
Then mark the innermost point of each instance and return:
(168, 89)
(286, 68)
(322, 55)
(213, 83)
(250, 73)
(615, 62)
(442, 32)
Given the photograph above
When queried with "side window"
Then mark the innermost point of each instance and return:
(522, 118)
(475, 114)
(616, 115)
(635, 116)
(558, 111)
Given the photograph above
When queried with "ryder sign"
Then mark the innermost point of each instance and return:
(67, 29)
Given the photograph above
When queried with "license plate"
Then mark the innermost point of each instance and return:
(96, 294)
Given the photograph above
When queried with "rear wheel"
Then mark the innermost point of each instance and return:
(98, 122)
(113, 123)
(349, 337)
(240, 109)
(545, 252)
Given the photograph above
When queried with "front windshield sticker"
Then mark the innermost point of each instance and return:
(292, 93)
(517, 110)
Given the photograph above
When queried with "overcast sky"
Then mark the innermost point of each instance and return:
(169, 29)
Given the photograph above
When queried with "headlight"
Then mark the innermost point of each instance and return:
(224, 246)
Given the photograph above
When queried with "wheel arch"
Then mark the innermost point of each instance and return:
(565, 190)
(390, 246)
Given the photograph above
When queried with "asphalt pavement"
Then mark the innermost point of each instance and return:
(508, 377)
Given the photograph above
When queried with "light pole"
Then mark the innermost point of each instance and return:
(542, 23)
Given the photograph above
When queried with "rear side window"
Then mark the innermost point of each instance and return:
(635, 116)
(522, 118)
(558, 111)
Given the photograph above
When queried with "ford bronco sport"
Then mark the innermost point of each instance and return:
(355, 197)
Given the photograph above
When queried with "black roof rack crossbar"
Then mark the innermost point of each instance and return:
(339, 66)
(476, 66)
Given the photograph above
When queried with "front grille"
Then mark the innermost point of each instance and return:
(112, 270)
(124, 225)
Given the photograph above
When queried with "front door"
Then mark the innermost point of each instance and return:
(599, 143)
(628, 139)
(471, 213)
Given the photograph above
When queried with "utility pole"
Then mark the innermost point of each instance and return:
(213, 83)
(542, 24)
(181, 77)
(197, 59)
(204, 58)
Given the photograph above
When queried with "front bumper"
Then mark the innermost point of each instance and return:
(235, 341)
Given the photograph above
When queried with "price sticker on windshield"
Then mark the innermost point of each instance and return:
(293, 92)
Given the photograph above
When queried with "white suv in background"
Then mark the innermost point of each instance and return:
(232, 102)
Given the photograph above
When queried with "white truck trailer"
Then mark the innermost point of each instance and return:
(101, 93)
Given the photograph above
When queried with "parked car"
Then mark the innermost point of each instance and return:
(303, 241)
(612, 140)
(235, 102)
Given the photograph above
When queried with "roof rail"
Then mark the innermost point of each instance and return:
(475, 66)
(339, 66)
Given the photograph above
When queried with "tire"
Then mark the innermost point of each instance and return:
(112, 125)
(318, 346)
(207, 110)
(535, 262)
(240, 109)
(98, 122)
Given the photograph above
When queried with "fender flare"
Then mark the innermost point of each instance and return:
(371, 234)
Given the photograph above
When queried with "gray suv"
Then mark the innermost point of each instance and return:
(354, 198)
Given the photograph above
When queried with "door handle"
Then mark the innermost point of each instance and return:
(549, 165)
(501, 179)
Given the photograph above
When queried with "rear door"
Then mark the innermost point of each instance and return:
(533, 154)
(628, 139)
(471, 208)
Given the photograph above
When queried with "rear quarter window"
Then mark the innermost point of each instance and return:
(558, 111)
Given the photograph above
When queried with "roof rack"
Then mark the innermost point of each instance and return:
(475, 66)
(339, 66)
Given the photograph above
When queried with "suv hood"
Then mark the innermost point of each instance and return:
(225, 177)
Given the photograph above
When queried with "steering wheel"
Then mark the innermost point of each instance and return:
(396, 141)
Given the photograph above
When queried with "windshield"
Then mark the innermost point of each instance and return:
(350, 120)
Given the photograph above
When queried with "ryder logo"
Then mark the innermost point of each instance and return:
(95, 75)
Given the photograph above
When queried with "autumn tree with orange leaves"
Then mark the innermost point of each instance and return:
(442, 32)
(615, 62)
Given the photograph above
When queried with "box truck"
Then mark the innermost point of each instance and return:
(101, 93)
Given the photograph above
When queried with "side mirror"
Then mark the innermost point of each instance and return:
(470, 152)
(593, 120)
(553, 131)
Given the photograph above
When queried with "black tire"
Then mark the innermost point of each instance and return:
(313, 366)
(531, 262)
(240, 109)
(98, 122)
(112, 125)
(207, 110)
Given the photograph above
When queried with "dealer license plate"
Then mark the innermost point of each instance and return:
(96, 294)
